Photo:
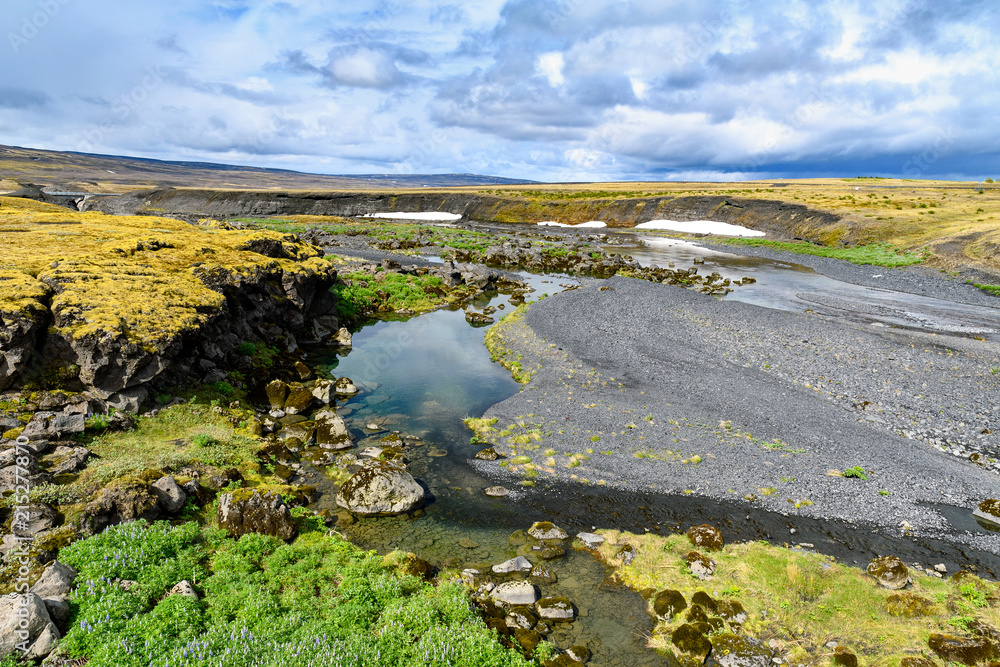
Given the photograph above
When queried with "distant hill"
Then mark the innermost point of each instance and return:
(84, 172)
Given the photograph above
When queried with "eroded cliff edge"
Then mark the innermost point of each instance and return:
(113, 305)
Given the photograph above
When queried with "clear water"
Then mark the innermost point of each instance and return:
(423, 376)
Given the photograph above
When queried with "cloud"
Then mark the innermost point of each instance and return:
(564, 89)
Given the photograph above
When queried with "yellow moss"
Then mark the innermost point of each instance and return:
(141, 275)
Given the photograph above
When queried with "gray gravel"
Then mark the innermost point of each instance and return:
(664, 389)
(915, 279)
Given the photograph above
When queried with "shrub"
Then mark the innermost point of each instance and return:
(856, 472)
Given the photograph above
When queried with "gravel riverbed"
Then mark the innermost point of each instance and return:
(651, 387)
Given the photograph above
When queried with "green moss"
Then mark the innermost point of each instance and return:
(878, 254)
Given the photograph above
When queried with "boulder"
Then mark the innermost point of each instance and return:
(342, 338)
(668, 603)
(705, 601)
(989, 511)
(518, 564)
(689, 639)
(303, 371)
(56, 581)
(542, 575)
(967, 650)
(497, 491)
(324, 391)
(545, 530)
(277, 392)
(34, 519)
(488, 454)
(700, 565)
(521, 617)
(626, 554)
(732, 612)
(67, 460)
(300, 399)
(909, 605)
(247, 511)
(53, 425)
(381, 488)
(126, 499)
(183, 588)
(578, 653)
(705, 537)
(515, 593)
(169, 495)
(729, 650)
(25, 624)
(332, 432)
(344, 387)
(916, 661)
(590, 540)
(555, 609)
(844, 657)
(59, 612)
(889, 572)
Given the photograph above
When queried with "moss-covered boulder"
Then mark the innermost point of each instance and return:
(688, 639)
(844, 657)
(300, 398)
(967, 650)
(546, 530)
(700, 565)
(889, 572)
(555, 609)
(705, 537)
(705, 601)
(332, 432)
(277, 392)
(909, 605)
(917, 661)
(125, 499)
(248, 511)
(668, 603)
(381, 488)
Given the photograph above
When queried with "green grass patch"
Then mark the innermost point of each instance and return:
(876, 254)
(805, 600)
(317, 601)
(992, 289)
(363, 294)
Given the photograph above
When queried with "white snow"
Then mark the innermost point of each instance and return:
(436, 216)
(591, 223)
(700, 227)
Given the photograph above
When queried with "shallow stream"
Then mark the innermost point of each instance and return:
(422, 376)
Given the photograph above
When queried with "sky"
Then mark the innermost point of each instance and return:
(570, 90)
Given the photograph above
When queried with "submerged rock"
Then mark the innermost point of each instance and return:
(518, 564)
(515, 593)
(381, 488)
(555, 609)
(497, 492)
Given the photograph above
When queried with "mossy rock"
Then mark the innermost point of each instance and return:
(277, 392)
(844, 657)
(689, 639)
(889, 572)
(705, 537)
(731, 650)
(705, 600)
(909, 605)
(527, 639)
(700, 565)
(696, 614)
(299, 399)
(668, 603)
(967, 650)
(732, 612)
(916, 661)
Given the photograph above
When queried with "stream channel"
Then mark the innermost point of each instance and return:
(422, 376)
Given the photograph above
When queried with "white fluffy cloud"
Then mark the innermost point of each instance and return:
(556, 90)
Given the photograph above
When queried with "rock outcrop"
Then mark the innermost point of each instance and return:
(248, 511)
(125, 301)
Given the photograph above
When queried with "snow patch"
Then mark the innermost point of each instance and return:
(437, 216)
(591, 223)
(700, 227)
